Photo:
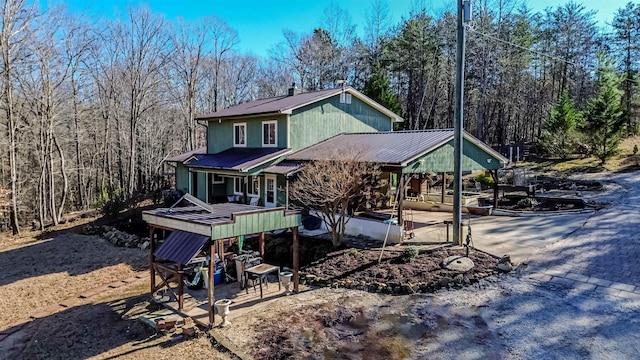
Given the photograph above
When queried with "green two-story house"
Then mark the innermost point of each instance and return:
(242, 160)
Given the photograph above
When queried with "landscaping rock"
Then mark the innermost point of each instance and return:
(444, 281)
(457, 263)
(504, 267)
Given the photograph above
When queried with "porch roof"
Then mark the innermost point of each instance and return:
(236, 159)
(286, 168)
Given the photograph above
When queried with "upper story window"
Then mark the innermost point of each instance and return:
(270, 133)
(240, 134)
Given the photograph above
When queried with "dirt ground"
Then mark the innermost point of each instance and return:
(43, 270)
(352, 268)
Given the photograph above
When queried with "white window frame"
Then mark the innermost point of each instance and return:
(238, 181)
(250, 186)
(235, 126)
(275, 128)
(214, 181)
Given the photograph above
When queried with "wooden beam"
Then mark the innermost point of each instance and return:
(494, 175)
(261, 246)
(444, 186)
(152, 249)
(180, 287)
(296, 258)
(210, 290)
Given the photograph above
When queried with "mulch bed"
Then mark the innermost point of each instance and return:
(359, 269)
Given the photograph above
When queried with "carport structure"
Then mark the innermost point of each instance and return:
(200, 226)
(409, 154)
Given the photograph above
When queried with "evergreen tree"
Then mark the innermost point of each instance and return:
(558, 135)
(378, 88)
(604, 119)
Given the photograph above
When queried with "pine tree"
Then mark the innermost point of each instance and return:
(604, 120)
(377, 87)
(558, 135)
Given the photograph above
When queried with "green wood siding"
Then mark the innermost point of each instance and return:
(182, 178)
(220, 135)
(267, 220)
(324, 119)
(201, 191)
(441, 160)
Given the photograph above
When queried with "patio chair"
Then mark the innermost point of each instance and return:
(254, 201)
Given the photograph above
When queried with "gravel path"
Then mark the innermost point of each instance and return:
(579, 298)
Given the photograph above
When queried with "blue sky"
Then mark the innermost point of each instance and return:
(260, 23)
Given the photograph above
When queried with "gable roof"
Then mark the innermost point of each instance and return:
(392, 148)
(286, 104)
(184, 156)
(237, 159)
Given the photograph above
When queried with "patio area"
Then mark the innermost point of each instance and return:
(196, 301)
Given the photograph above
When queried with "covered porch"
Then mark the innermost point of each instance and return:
(199, 231)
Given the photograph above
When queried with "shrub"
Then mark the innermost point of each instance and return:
(484, 179)
(409, 253)
(527, 203)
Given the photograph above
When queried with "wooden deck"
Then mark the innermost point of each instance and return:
(195, 301)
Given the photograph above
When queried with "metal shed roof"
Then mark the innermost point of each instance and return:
(285, 168)
(181, 246)
(392, 148)
(237, 159)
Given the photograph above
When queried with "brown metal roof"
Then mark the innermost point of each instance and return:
(285, 168)
(285, 104)
(181, 246)
(392, 148)
(184, 156)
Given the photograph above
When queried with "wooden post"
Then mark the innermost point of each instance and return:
(494, 174)
(210, 290)
(402, 190)
(296, 258)
(444, 186)
(152, 249)
(180, 287)
(261, 246)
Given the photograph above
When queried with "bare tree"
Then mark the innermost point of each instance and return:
(332, 186)
(16, 17)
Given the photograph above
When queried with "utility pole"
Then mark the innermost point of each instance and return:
(464, 15)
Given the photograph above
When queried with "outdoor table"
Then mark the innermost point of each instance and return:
(261, 271)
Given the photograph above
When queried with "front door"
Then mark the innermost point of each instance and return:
(270, 191)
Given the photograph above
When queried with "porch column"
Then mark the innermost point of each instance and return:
(261, 245)
(296, 258)
(401, 189)
(210, 291)
(494, 175)
(180, 287)
(152, 249)
(444, 186)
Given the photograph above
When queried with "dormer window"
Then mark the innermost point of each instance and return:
(270, 133)
(240, 134)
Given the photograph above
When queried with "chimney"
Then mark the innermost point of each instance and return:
(293, 90)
